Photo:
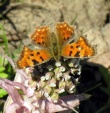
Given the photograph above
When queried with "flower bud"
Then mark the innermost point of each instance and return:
(58, 64)
(70, 86)
(62, 85)
(50, 68)
(43, 78)
(47, 89)
(66, 76)
(72, 63)
(39, 94)
(56, 70)
(58, 75)
(52, 82)
(41, 84)
(48, 75)
(62, 69)
(55, 97)
(73, 70)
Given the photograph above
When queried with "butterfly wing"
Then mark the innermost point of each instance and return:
(65, 32)
(77, 49)
(30, 57)
(41, 36)
(33, 57)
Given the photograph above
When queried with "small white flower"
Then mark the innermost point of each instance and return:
(52, 82)
(62, 69)
(58, 64)
(59, 74)
(61, 90)
(76, 79)
(52, 85)
(71, 89)
(50, 68)
(43, 78)
(56, 70)
(79, 68)
(71, 64)
(48, 75)
(46, 95)
(72, 70)
(55, 101)
(29, 70)
(66, 76)
(79, 72)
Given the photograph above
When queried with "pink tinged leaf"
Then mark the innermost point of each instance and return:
(11, 90)
(23, 110)
(16, 97)
(14, 84)
(65, 103)
(12, 108)
(22, 73)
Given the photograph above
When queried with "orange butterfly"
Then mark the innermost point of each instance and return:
(50, 45)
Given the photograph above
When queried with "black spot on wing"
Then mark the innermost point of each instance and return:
(31, 54)
(70, 53)
(71, 47)
(41, 58)
(77, 54)
(77, 46)
(39, 43)
(35, 62)
(38, 53)
(68, 38)
(43, 42)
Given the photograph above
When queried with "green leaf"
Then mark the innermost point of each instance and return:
(87, 96)
(3, 61)
(1, 69)
(2, 93)
(3, 75)
(106, 77)
(4, 38)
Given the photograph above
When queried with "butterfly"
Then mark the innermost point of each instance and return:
(50, 44)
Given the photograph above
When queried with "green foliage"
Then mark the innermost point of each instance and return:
(4, 38)
(1, 105)
(2, 93)
(106, 77)
(6, 70)
(3, 74)
(1, 69)
(3, 62)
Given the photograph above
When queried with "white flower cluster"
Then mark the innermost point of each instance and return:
(57, 80)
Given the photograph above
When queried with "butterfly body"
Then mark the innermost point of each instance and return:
(54, 45)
